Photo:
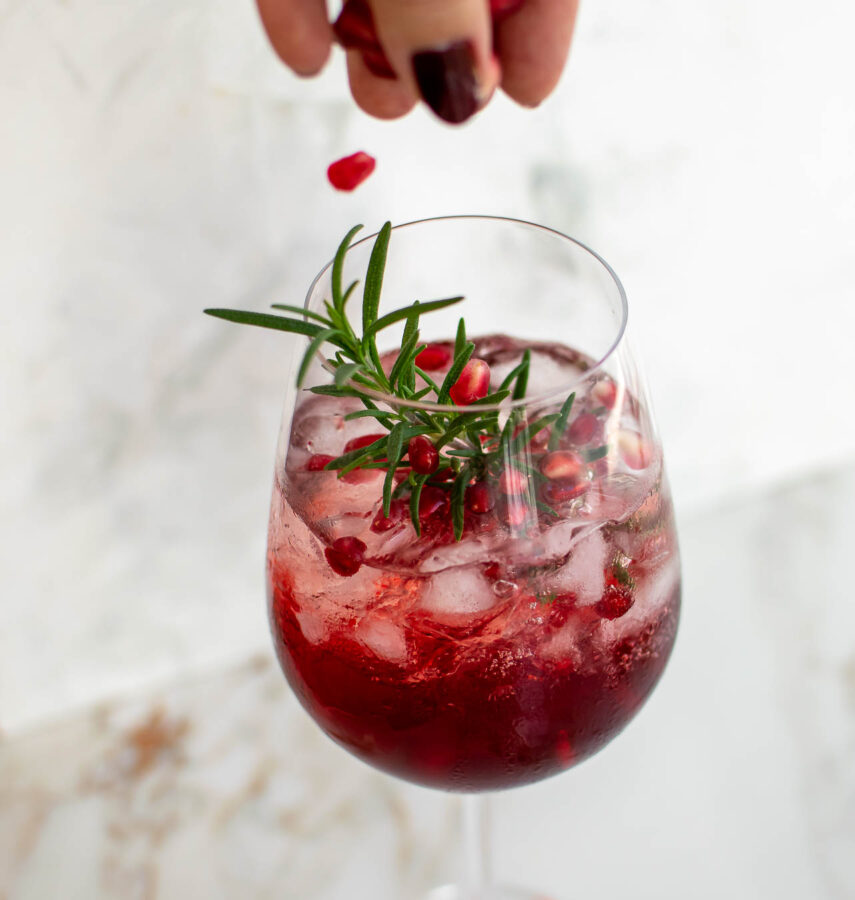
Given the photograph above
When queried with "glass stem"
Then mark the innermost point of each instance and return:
(476, 846)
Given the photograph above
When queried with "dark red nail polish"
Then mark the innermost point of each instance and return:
(447, 82)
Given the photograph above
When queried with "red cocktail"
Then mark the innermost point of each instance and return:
(473, 571)
(498, 659)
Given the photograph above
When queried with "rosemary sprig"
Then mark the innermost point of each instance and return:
(474, 443)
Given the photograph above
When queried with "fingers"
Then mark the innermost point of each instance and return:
(441, 51)
(383, 98)
(299, 32)
(532, 46)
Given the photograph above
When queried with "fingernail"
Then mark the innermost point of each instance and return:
(447, 82)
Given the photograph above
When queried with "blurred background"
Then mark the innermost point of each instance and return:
(156, 159)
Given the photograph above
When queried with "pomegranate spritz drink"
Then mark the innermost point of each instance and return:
(472, 565)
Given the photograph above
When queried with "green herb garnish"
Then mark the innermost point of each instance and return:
(474, 444)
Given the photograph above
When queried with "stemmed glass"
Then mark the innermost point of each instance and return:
(532, 614)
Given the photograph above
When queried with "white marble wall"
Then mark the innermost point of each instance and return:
(154, 160)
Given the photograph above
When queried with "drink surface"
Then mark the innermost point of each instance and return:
(498, 659)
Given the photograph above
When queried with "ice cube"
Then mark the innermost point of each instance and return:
(457, 592)
(616, 496)
(656, 588)
(383, 638)
(554, 542)
(549, 373)
(319, 427)
(563, 646)
(583, 573)
(312, 625)
(472, 548)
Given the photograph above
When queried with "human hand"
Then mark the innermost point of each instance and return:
(450, 53)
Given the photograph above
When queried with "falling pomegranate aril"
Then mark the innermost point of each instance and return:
(473, 383)
(478, 498)
(424, 457)
(346, 555)
(318, 461)
(433, 357)
(348, 173)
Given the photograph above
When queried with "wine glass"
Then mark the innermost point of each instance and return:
(487, 597)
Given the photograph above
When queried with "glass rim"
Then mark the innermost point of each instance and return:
(553, 395)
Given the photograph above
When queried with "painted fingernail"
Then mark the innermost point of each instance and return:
(447, 82)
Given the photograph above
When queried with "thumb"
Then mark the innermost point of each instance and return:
(442, 49)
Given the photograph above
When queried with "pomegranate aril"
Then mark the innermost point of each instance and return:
(424, 457)
(358, 443)
(431, 500)
(563, 465)
(478, 523)
(478, 498)
(354, 28)
(501, 8)
(512, 481)
(377, 64)
(348, 173)
(492, 571)
(318, 462)
(361, 476)
(537, 442)
(433, 357)
(560, 607)
(604, 393)
(584, 429)
(540, 440)
(634, 450)
(616, 601)
(473, 383)
(397, 514)
(345, 556)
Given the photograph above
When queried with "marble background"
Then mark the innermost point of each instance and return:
(154, 160)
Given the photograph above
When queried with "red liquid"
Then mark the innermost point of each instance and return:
(521, 661)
